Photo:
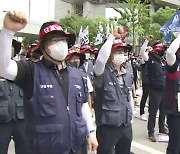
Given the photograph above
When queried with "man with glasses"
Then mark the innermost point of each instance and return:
(57, 113)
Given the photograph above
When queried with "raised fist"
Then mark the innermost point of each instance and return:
(150, 37)
(15, 21)
(117, 32)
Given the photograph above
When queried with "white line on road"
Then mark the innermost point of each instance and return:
(146, 148)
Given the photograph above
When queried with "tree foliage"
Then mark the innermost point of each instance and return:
(135, 16)
(26, 41)
(74, 22)
(162, 15)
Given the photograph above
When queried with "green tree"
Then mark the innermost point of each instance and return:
(162, 15)
(26, 41)
(135, 16)
(154, 29)
(74, 22)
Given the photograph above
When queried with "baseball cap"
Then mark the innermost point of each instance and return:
(118, 43)
(50, 27)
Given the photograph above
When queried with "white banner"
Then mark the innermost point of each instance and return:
(85, 36)
(99, 36)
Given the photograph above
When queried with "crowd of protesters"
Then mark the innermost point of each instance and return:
(50, 95)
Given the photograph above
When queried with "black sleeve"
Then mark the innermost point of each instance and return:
(172, 69)
(98, 80)
(24, 77)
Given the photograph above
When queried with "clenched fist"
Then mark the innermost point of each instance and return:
(15, 21)
(117, 32)
(150, 37)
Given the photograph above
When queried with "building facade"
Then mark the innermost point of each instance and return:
(85, 8)
(91, 8)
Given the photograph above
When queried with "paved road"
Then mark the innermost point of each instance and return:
(140, 144)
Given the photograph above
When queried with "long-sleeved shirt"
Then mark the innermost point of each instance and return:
(171, 51)
(103, 56)
(10, 69)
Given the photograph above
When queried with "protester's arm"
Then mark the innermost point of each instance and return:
(86, 113)
(89, 85)
(8, 67)
(103, 55)
(13, 22)
(92, 141)
(105, 51)
(90, 91)
(171, 51)
(143, 52)
(172, 69)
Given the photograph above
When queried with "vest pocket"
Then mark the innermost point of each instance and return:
(19, 109)
(47, 106)
(112, 114)
(109, 93)
(4, 111)
(81, 129)
(48, 138)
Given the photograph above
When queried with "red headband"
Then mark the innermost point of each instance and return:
(53, 27)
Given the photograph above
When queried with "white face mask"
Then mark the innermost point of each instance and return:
(58, 51)
(118, 59)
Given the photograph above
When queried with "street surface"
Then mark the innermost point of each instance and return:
(141, 143)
